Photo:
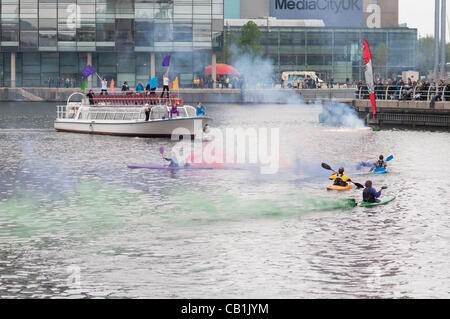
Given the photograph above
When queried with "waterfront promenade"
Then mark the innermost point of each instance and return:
(389, 112)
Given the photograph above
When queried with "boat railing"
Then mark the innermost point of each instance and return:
(406, 92)
(105, 114)
(79, 111)
(135, 99)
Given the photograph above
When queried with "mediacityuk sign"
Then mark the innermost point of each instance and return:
(335, 13)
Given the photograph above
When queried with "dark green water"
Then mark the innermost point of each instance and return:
(76, 222)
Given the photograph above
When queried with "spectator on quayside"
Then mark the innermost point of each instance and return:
(139, 87)
(125, 87)
(165, 85)
(104, 87)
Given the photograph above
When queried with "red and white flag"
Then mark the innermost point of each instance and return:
(368, 72)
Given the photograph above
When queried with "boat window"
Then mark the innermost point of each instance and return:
(183, 112)
(190, 111)
(159, 112)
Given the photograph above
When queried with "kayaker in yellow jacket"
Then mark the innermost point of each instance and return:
(339, 178)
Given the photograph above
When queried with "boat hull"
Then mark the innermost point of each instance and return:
(154, 128)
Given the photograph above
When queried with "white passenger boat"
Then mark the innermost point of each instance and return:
(126, 115)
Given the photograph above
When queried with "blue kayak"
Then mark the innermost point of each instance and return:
(380, 170)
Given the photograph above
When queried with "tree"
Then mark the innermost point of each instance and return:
(229, 47)
(425, 55)
(250, 41)
(380, 58)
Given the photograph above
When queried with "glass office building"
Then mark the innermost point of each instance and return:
(332, 52)
(126, 40)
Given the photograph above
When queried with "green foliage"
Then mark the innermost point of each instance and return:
(250, 41)
(247, 41)
(231, 40)
(425, 55)
(380, 58)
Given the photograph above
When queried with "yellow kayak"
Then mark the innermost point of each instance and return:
(340, 188)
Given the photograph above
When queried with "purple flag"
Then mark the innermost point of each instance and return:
(166, 60)
(87, 71)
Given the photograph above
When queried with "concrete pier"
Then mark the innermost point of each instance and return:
(260, 96)
(405, 113)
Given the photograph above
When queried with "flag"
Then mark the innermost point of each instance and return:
(84, 86)
(87, 71)
(166, 61)
(175, 84)
(368, 72)
(153, 82)
(112, 85)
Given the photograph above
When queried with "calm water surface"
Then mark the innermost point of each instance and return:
(76, 222)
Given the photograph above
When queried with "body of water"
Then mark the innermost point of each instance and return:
(76, 222)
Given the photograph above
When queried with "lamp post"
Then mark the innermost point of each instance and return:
(436, 40)
(443, 38)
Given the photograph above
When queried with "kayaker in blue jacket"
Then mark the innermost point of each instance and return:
(174, 161)
(370, 194)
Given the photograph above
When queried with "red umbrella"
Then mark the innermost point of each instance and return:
(222, 69)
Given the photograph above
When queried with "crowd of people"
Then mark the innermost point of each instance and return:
(222, 81)
(406, 90)
(61, 82)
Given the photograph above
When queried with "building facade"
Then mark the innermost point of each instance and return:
(43, 42)
(312, 35)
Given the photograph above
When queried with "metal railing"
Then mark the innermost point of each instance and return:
(126, 113)
(405, 93)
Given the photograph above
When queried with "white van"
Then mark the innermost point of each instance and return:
(290, 78)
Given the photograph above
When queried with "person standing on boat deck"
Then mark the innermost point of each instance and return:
(90, 95)
(104, 87)
(200, 109)
(125, 86)
(174, 110)
(139, 87)
(165, 85)
(147, 112)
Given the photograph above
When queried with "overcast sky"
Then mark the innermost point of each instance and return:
(420, 14)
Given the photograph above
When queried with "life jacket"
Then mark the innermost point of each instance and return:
(380, 163)
(339, 180)
(368, 196)
(200, 110)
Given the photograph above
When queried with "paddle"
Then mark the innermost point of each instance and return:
(327, 167)
(161, 151)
